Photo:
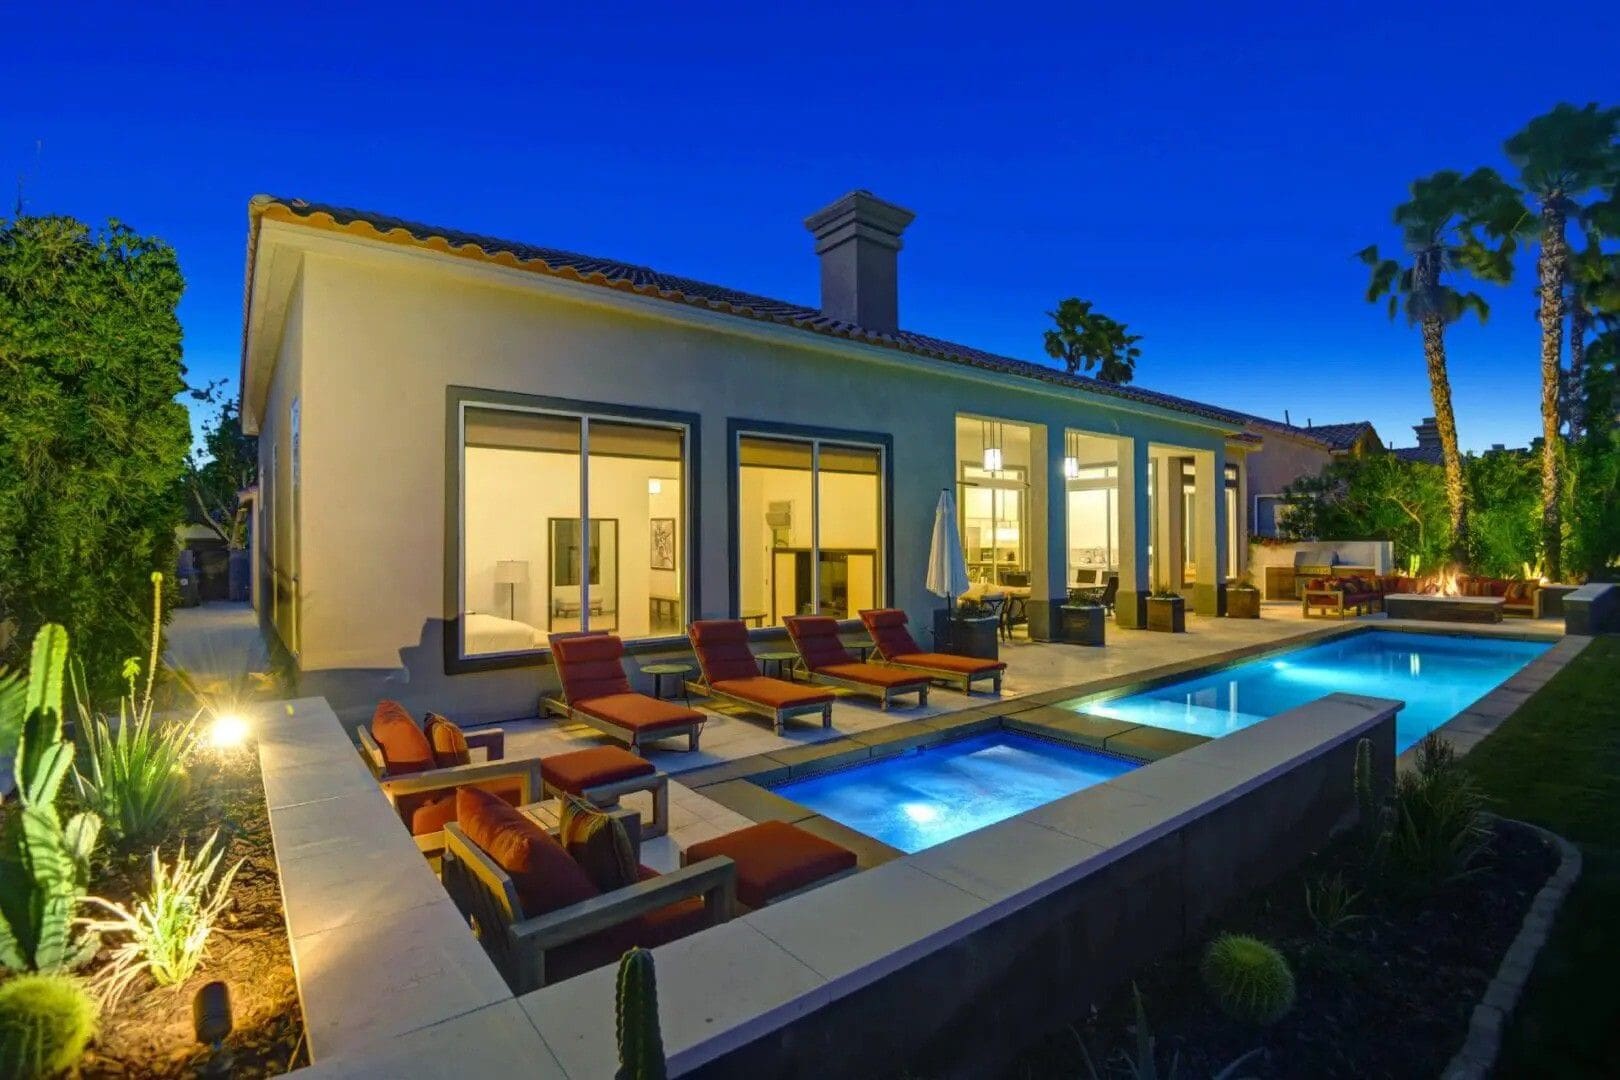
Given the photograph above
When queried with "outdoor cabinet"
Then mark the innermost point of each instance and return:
(975, 636)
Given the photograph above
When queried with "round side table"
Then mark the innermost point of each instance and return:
(659, 672)
(786, 663)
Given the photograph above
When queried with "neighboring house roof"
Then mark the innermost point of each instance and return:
(646, 281)
(1428, 455)
(1340, 437)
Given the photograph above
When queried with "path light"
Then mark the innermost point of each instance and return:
(228, 732)
(211, 1023)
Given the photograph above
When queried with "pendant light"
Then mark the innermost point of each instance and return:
(992, 449)
(1071, 457)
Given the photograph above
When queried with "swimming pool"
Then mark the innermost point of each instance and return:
(918, 800)
(1437, 675)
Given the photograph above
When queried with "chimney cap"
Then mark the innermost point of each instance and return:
(858, 213)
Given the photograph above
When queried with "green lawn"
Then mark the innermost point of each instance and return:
(1557, 763)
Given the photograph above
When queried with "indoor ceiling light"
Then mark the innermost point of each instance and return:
(655, 486)
(1071, 468)
(992, 449)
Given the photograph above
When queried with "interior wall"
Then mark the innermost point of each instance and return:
(850, 519)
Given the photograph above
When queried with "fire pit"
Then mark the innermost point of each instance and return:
(1460, 609)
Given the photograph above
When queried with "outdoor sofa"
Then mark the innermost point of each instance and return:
(594, 691)
(895, 647)
(826, 660)
(731, 673)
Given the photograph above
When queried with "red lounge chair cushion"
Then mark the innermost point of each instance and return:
(541, 871)
(405, 749)
(773, 858)
(774, 693)
(448, 743)
(638, 712)
(889, 634)
(1520, 593)
(588, 665)
(816, 638)
(960, 665)
(580, 769)
(427, 813)
(874, 674)
(722, 649)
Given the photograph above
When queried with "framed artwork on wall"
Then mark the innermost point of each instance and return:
(663, 543)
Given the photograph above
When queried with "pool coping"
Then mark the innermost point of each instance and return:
(746, 785)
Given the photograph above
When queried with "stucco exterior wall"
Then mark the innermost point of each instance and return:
(278, 539)
(1277, 464)
(385, 331)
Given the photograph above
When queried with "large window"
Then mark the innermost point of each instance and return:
(570, 521)
(810, 528)
(993, 471)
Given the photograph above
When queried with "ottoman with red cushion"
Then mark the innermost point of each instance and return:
(603, 774)
(774, 860)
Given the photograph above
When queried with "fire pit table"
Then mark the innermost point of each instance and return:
(1461, 609)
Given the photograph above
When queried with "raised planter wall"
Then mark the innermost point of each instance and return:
(1592, 609)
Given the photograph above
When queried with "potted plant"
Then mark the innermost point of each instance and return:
(968, 629)
(1243, 600)
(1166, 611)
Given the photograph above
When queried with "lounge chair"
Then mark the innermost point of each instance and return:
(542, 919)
(731, 674)
(896, 648)
(419, 771)
(827, 661)
(594, 691)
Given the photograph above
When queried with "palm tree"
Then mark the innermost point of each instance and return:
(1561, 156)
(1086, 338)
(1594, 286)
(1443, 226)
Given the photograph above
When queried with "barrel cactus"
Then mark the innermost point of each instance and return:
(45, 1023)
(641, 1047)
(1248, 979)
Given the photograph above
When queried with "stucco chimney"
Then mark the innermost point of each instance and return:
(1428, 432)
(858, 239)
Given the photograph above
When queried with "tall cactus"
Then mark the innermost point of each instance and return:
(44, 864)
(641, 1047)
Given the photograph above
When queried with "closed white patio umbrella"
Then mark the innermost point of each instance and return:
(947, 569)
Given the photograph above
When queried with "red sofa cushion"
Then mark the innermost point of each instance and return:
(773, 858)
(722, 649)
(405, 748)
(541, 871)
(579, 769)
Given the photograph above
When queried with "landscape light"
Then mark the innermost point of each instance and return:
(227, 732)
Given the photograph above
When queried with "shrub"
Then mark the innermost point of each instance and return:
(1144, 1064)
(1437, 829)
(167, 934)
(43, 863)
(1329, 903)
(137, 770)
(1248, 979)
(93, 446)
(641, 1046)
(45, 1023)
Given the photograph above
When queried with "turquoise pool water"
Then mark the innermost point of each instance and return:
(1438, 676)
(918, 800)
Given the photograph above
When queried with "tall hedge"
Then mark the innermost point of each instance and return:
(93, 443)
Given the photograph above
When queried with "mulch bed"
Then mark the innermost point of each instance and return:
(1389, 995)
(149, 1033)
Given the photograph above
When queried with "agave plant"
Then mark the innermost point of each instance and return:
(166, 936)
(135, 774)
(1144, 1064)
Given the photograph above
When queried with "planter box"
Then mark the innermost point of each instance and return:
(1167, 614)
(1243, 603)
(1083, 624)
(975, 637)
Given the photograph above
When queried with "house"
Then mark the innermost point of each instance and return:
(469, 443)
(1291, 452)
(1427, 450)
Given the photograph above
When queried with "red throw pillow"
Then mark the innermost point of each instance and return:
(541, 871)
(598, 843)
(449, 744)
(405, 749)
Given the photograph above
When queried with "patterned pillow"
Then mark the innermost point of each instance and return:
(449, 744)
(598, 844)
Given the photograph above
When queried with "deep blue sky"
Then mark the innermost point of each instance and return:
(1203, 173)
